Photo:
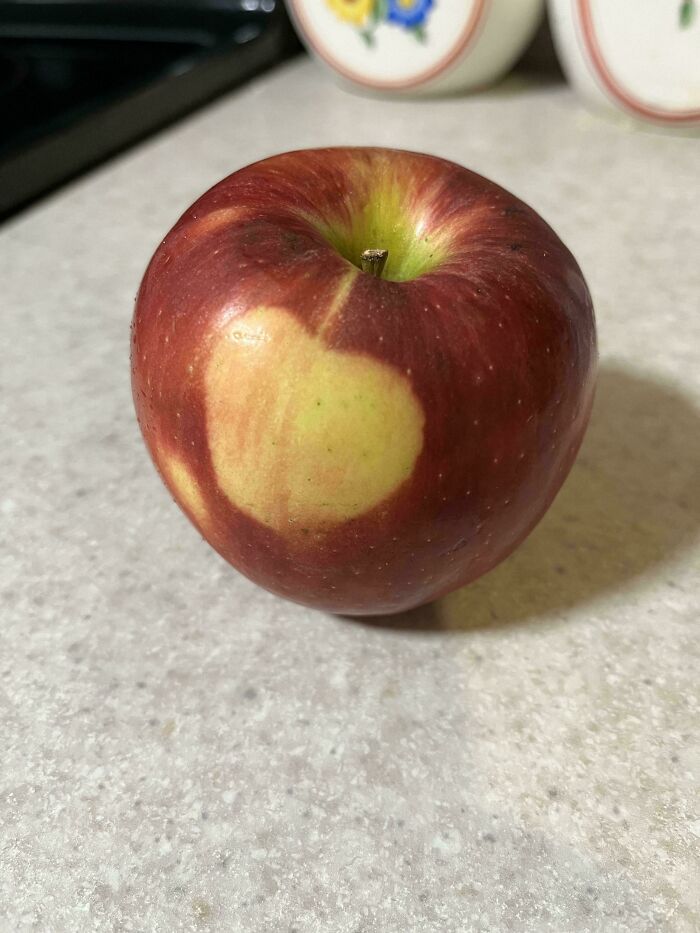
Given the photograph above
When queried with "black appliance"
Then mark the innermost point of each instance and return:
(82, 80)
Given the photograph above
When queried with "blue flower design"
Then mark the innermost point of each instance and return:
(409, 13)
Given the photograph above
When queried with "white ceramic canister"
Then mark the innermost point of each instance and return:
(638, 57)
(417, 46)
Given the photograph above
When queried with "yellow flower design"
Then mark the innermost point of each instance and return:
(354, 11)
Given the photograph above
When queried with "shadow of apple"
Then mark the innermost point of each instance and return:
(628, 505)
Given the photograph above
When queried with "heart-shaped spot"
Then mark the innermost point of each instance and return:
(303, 436)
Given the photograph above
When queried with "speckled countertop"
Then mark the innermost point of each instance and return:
(182, 751)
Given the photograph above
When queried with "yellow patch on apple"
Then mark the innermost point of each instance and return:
(303, 436)
(185, 487)
(213, 221)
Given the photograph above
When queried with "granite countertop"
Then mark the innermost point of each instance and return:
(183, 751)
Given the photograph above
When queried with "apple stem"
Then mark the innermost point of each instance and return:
(373, 261)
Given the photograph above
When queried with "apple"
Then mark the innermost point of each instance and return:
(362, 373)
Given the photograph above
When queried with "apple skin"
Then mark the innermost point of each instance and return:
(451, 397)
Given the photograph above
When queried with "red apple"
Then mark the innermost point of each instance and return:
(356, 442)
